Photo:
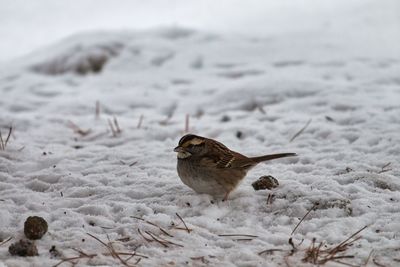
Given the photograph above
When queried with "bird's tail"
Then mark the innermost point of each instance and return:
(273, 156)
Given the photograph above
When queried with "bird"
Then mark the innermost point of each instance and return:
(209, 167)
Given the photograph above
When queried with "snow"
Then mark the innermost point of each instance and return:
(342, 75)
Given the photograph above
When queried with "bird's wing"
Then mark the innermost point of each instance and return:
(224, 158)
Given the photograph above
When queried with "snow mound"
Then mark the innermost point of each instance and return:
(80, 56)
(92, 154)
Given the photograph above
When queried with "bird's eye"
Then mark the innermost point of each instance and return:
(190, 146)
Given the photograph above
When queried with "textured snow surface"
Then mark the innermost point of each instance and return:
(252, 94)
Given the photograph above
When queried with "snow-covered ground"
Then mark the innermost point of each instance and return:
(253, 93)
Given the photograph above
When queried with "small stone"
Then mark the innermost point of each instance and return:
(54, 253)
(265, 182)
(225, 118)
(239, 134)
(23, 248)
(35, 227)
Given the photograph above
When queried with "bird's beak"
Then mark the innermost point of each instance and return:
(179, 149)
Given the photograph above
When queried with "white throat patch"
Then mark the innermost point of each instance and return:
(183, 155)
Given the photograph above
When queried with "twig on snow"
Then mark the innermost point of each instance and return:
(385, 168)
(140, 121)
(153, 224)
(187, 123)
(153, 237)
(369, 256)
(3, 144)
(187, 228)
(113, 131)
(244, 235)
(316, 255)
(97, 112)
(77, 129)
(301, 130)
(5, 241)
(117, 125)
(308, 212)
(113, 252)
(270, 251)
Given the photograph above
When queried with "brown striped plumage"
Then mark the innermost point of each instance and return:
(208, 166)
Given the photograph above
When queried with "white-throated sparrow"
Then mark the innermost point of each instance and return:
(209, 167)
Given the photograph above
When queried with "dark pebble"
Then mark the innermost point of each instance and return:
(265, 182)
(35, 227)
(23, 248)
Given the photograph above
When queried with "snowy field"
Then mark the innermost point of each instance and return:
(66, 163)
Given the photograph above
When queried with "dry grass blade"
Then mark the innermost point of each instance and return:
(97, 109)
(114, 126)
(328, 118)
(157, 239)
(124, 239)
(72, 259)
(270, 199)
(318, 250)
(144, 237)
(130, 256)
(312, 253)
(385, 168)
(110, 247)
(81, 252)
(92, 236)
(1, 142)
(134, 254)
(386, 165)
(369, 257)
(153, 224)
(236, 235)
(113, 131)
(116, 255)
(8, 137)
(342, 246)
(77, 129)
(152, 239)
(111, 250)
(316, 255)
(261, 109)
(181, 228)
(269, 251)
(133, 163)
(180, 218)
(140, 121)
(165, 241)
(5, 241)
(187, 123)
(302, 219)
(118, 129)
(345, 263)
(301, 130)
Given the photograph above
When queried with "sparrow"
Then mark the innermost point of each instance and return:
(209, 167)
